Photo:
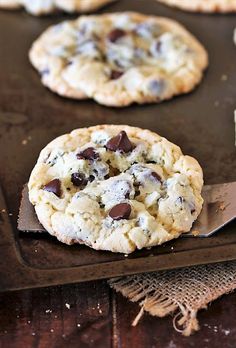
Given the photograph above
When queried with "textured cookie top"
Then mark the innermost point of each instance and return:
(115, 188)
(118, 59)
(203, 5)
(40, 7)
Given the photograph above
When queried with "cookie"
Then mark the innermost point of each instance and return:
(203, 5)
(118, 59)
(40, 7)
(116, 188)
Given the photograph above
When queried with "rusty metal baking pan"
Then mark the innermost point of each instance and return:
(201, 123)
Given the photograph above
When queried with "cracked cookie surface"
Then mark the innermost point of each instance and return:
(116, 188)
(119, 59)
(203, 5)
(41, 7)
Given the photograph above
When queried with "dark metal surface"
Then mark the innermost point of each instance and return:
(201, 123)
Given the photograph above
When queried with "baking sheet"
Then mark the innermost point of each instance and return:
(201, 123)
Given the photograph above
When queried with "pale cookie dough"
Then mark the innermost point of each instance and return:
(116, 188)
(118, 59)
(203, 5)
(40, 7)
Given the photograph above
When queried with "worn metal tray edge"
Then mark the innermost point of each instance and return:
(16, 274)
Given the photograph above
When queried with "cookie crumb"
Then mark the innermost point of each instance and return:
(222, 206)
(224, 77)
(67, 305)
(78, 325)
(226, 332)
(195, 233)
(52, 330)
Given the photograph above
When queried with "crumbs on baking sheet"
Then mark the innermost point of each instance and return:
(195, 233)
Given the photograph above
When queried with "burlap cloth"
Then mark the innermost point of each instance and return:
(182, 292)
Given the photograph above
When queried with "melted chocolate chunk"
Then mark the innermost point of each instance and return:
(156, 176)
(54, 186)
(116, 74)
(115, 35)
(78, 179)
(120, 211)
(120, 142)
(88, 154)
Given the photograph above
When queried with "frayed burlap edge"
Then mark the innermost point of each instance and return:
(182, 292)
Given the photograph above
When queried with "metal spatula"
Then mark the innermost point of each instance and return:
(219, 208)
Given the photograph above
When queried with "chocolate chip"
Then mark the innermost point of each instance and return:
(181, 200)
(193, 211)
(116, 74)
(120, 211)
(91, 178)
(54, 186)
(127, 195)
(156, 176)
(116, 34)
(88, 154)
(78, 179)
(120, 142)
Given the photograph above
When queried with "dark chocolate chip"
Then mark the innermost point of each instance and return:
(193, 211)
(127, 195)
(88, 154)
(156, 176)
(116, 74)
(181, 200)
(120, 142)
(54, 186)
(116, 34)
(78, 179)
(91, 178)
(120, 211)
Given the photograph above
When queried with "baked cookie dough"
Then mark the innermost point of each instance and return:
(40, 7)
(203, 5)
(116, 188)
(118, 59)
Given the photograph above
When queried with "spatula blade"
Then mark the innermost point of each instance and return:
(219, 208)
